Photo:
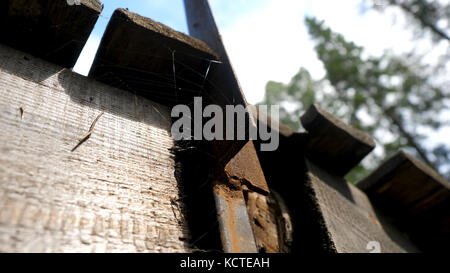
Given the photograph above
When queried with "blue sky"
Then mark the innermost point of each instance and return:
(171, 12)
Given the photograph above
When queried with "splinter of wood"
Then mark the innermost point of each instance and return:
(88, 135)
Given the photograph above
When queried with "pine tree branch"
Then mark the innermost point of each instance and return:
(422, 19)
(409, 138)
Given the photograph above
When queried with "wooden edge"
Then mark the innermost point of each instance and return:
(93, 4)
(202, 25)
(380, 175)
(314, 205)
(162, 29)
(315, 114)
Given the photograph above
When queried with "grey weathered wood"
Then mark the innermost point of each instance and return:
(349, 216)
(332, 144)
(415, 197)
(146, 57)
(49, 29)
(116, 193)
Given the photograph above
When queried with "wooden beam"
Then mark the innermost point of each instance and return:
(202, 25)
(245, 168)
(415, 197)
(116, 193)
(150, 59)
(49, 29)
(223, 82)
(332, 144)
(349, 217)
(224, 86)
(335, 215)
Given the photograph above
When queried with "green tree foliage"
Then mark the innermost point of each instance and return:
(390, 97)
(427, 15)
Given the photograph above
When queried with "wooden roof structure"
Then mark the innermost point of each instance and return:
(131, 187)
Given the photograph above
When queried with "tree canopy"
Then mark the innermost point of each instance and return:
(393, 98)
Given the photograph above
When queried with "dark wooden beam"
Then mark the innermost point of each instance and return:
(202, 26)
(150, 59)
(224, 85)
(349, 218)
(49, 29)
(416, 198)
(225, 90)
(328, 213)
(332, 144)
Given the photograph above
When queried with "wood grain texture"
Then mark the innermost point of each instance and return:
(332, 144)
(350, 218)
(49, 29)
(116, 193)
(416, 198)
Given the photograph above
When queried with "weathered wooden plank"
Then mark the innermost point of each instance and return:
(116, 193)
(146, 57)
(332, 144)
(49, 29)
(350, 218)
(415, 197)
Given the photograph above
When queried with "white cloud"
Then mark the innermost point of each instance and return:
(270, 44)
